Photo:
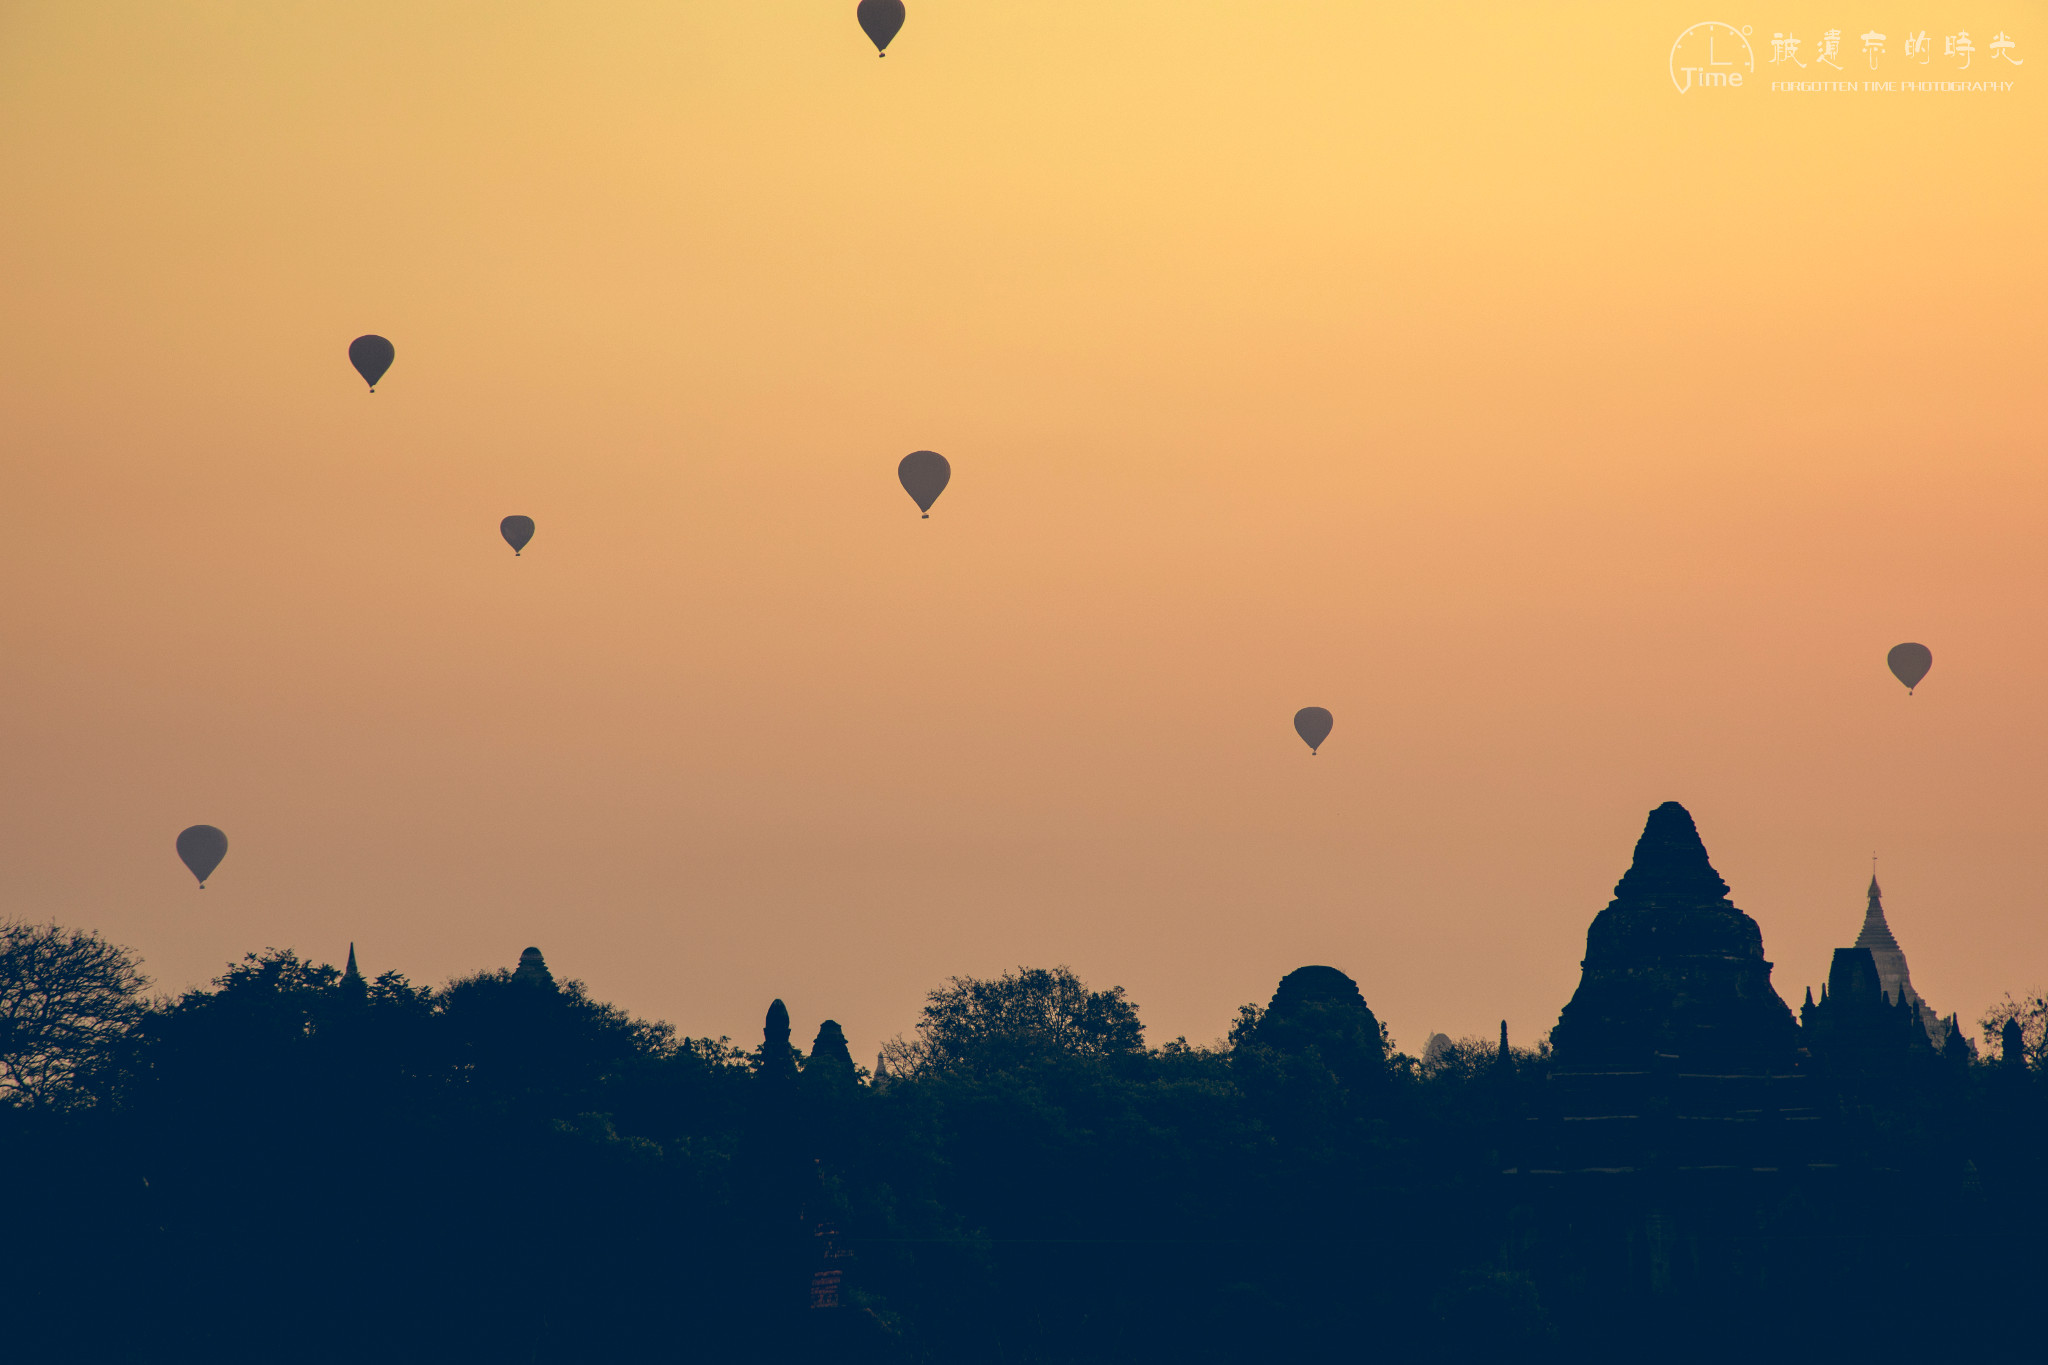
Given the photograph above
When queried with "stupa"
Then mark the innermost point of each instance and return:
(1674, 970)
(1892, 973)
(1321, 1007)
(1675, 1057)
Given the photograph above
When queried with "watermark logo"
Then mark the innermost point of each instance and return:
(1712, 56)
(1717, 56)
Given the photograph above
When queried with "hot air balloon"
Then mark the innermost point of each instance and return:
(880, 19)
(924, 475)
(1909, 664)
(1313, 724)
(202, 847)
(517, 531)
(371, 355)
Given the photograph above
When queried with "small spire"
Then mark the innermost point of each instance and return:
(1503, 1059)
(1954, 1047)
(777, 1063)
(352, 980)
(830, 1057)
(533, 970)
(1875, 932)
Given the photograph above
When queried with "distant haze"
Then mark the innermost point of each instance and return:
(1579, 444)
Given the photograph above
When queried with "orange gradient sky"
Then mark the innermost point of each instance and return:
(1579, 443)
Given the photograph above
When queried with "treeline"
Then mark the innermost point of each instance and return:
(298, 1164)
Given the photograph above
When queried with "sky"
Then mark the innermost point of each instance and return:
(1581, 442)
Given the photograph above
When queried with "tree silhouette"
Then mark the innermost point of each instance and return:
(67, 996)
(1034, 1013)
(507, 1168)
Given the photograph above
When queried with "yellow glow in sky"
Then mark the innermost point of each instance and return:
(1578, 442)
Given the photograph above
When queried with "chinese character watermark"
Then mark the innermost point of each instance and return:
(1717, 56)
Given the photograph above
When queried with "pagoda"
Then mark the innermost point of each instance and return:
(1675, 1054)
(1893, 975)
(1673, 969)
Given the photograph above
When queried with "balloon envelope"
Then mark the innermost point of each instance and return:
(1909, 663)
(517, 531)
(371, 355)
(1313, 724)
(924, 475)
(202, 847)
(880, 19)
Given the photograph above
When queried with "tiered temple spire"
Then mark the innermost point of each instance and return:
(1674, 969)
(1892, 971)
(533, 970)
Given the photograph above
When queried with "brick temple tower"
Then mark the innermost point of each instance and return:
(1674, 970)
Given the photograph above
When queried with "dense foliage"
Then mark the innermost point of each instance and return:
(66, 998)
(298, 1164)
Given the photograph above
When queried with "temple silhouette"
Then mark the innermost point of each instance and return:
(1690, 1145)
(1895, 978)
(1690, 1125)
(506, 1167)
(1688, 1150)
(1675, 1054)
